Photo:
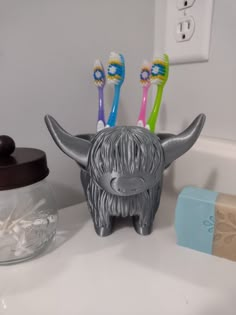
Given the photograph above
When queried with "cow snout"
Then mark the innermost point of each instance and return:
(127, 185)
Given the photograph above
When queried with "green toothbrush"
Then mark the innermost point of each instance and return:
(159, 76)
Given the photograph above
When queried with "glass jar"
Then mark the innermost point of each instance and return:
(28, 215)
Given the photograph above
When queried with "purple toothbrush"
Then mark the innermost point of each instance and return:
(100, 80)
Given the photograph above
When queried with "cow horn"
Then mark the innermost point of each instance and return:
(75, 147)
(175, 146)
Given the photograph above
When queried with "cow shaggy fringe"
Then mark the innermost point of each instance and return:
(125, 150)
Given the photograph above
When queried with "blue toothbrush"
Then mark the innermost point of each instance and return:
(116, 76)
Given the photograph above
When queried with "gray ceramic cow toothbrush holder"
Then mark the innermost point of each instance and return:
(122, 169)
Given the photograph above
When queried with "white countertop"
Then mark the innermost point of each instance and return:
(124, 273)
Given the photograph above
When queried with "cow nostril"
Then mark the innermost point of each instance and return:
(113, 184)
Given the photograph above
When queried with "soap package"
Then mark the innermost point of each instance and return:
(206, 221)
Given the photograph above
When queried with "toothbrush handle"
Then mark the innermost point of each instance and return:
(142, 113)
(154, 114)
(113, 115)
(101, 115)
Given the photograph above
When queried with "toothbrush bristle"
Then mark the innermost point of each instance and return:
(99, 74)
(116, 69)
(145, 74)
(160, 70)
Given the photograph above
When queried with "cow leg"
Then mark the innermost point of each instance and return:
(143, 224)
(103, 224)
(144, 221)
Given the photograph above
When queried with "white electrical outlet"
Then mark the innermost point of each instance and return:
(188, 30)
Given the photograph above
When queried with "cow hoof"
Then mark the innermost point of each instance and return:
(142, 229)
(103, 231)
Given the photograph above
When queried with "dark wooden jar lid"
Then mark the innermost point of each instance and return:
(20, 167)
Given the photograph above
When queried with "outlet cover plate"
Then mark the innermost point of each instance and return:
(197, 48)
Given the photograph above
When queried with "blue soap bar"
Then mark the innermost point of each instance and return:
(206, 221)
(195, 218)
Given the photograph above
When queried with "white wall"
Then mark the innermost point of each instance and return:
(204, 87)
(47, 50)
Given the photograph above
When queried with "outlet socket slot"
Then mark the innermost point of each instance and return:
(184, 4)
